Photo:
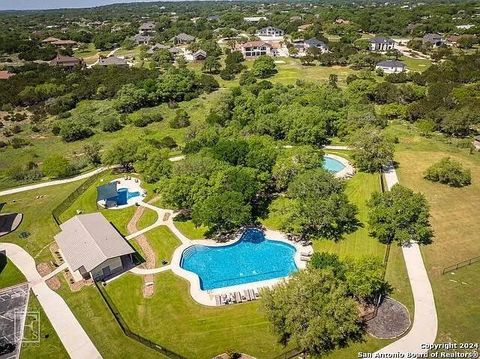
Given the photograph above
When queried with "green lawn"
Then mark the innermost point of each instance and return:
(454, 217)
(89, 51)
(50, 345)
(37, 218)
(190, 231)
(9, 273)
(193, 330)
(163, 242)
(148, 218)
(416, 64)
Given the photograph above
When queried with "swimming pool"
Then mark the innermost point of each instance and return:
(253, 258)
(123, 195)
(331, 164)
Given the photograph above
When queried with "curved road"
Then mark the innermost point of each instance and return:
(425, 322)
(72, 335)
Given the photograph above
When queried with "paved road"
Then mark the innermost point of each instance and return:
(74, 338)
(52, 183)
(425, 322)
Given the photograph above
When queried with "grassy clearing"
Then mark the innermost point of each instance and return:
(89, 51)
(191, 231)
(454, 217)
(50, 344)
(193, 330)
(163, 242)
(37, 218)
(416, 64)
(9, 273)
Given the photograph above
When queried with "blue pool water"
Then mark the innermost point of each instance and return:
(253, 258)
(332, 165)
(123, 195)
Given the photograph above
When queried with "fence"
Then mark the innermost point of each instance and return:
(293, 353)
(126, 330)
(67, 202)
(461, 264)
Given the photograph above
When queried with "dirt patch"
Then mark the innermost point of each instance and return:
(44, 269)
(391, 321)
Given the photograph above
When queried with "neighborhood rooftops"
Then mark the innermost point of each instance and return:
(313, 42)
(112, 60)
(391, 64)
(88, 240)
(381, 40)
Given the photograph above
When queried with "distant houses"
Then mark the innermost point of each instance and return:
(254, 18)
(59, 42)
(5, 75)
(270, 32)
(302, 46)
(182, 39)
(253, 49)
(434, 39)
(112, 61)
(147, 28)
(199, 55)
(140, 39)
(391, 66)
(66, 61)
(381, 44)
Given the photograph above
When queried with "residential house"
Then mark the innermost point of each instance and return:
(49, 40)
(213, 18)
(157, 47)
(5, 75)
(342, 22)
(391, 66)
(199, 55)
(93, 248)
(140, 39)
(63, 43)
(253, 49)
(303, 28)
(182, 39)
(303, 45)
(112, 61)
(381, 44)
(254, 18)
(270, 32)
(66, 61)
(434, 39)
(147, 28)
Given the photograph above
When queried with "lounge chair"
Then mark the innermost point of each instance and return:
(305, 258)
(238, 297)
(247, 294)
(252, 294)
(218, 301)
(306, 254)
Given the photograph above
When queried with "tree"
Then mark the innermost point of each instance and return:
(111, 124)
(163, 58)
(399, 215)
(449, 172)
(313, 311)
(92, 152)
(57, 166)
(222, 211)
(263, 67)
(181, 119)
(372, 150)
(211, 65)
(364, 278)
(74, 131)
(122, 153)
(325, 260)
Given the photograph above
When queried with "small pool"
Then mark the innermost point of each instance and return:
(332, 165)
(251, 259)
(123, 195)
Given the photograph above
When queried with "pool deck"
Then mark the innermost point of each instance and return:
(207, 297)
(132, 185)
(348, 171)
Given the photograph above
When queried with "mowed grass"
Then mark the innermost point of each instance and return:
(50, 345)
(189, 230)
(418, 64)
(148, 218)
(455, 220)
(37, 218)
(9, 273)
(172, 319)
(163, 243)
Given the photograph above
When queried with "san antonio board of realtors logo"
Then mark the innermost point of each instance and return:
(31, 331)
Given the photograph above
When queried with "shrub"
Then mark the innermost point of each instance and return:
(111, 124)
(18, 142)
(74, 131)
(181, 119)
(449, 172)
(144, 119)
(57, 166)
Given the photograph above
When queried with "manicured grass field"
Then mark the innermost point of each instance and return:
(190, 231)
(419, 64)
(454, 217)
(9, 273)
(50, 345)
(148, 218)
(163, 242)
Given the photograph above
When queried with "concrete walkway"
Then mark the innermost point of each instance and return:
(425, 322)
(158, 222)
(73, 337)
(53, 183)
(145, 271)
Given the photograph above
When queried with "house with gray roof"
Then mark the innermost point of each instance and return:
(112, 61)
(270, 31)
(182, 39)
(381, 44)
(434, 39)
(147, 28)
(93, 248)
(157, 47)
(391, 66)
(140, 39)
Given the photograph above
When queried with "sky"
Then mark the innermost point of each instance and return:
(58, 4)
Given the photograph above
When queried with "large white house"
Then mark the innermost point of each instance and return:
(391, 66)
(270, 32)
(254, 49)
(93, 248)
(381, 44)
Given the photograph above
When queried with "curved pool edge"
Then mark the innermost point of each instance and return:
(207, 297)
(346, 172)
